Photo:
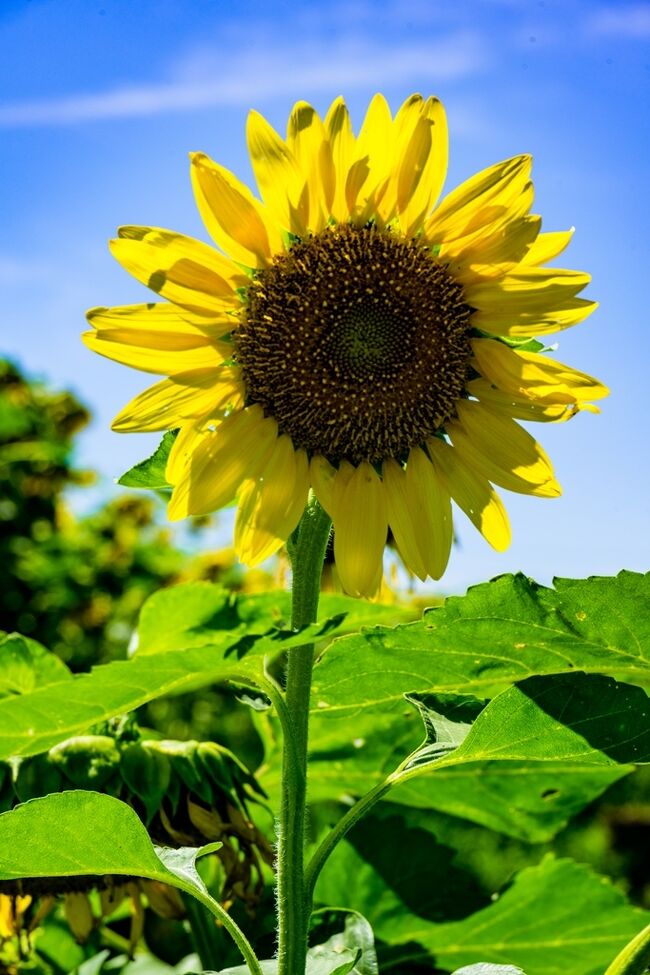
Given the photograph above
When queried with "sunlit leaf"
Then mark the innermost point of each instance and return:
(499, 633)
(198, 613)
(79, 833)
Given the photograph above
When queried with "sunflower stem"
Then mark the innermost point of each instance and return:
(307, 551)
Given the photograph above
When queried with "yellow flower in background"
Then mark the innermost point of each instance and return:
(352, 338)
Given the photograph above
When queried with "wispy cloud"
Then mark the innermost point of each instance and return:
(248, 78)
(623, 20)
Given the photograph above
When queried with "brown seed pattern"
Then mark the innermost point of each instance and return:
(357, 343)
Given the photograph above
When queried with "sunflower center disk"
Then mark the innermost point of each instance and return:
(356, 342)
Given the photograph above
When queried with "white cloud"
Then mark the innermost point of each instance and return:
(252, 77)
(624, 20)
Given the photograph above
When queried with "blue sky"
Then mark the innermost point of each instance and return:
(103, 99)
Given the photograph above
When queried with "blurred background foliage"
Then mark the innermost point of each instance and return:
(76, 583)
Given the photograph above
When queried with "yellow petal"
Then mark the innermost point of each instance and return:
(281, 182)
(528, 291)
(501, 192)
(307, 139)
(430, 508)
(422, 166)
(172, 402)
(523, 408)
(502, 451)
(185, 329)
(548, 246)
(374, 147)
(222, 461)
(322, 476)
(187, 441)
(493, 255)
(342, 142)
(401, 518)
(360, 526)
(139, 336)
(510, 318)
(183, 270)
(270, 507)
(234, 218)
(473, 493)
(534, 375)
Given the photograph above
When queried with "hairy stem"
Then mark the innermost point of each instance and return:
(307, 552)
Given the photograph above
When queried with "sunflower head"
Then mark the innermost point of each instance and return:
(352, 336)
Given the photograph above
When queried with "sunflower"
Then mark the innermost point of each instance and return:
(352, 337)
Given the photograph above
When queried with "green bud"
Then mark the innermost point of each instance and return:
(37, 777)
(146, 773)
(87, 761)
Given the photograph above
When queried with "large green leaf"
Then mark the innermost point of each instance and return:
(535, 756)
(194, 621)
(499, 633)
(557, 918)
(87, 834)
(34, 722)
(198, 613)
(81, 833)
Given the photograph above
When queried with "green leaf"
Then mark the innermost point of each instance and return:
(34, 722)
(388, 868)
(198, 613)
(25, 665)
(499, 633)
(150, 473)
(81, 833)
(537, 755)
(557, 917)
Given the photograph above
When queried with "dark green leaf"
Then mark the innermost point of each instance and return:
(388, 869)
(557, 918)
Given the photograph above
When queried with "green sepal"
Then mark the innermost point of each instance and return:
(87, 761)
(150, 473)
(147, 773)
(37, 777)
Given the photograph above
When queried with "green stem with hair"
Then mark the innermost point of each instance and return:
(307, 552)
